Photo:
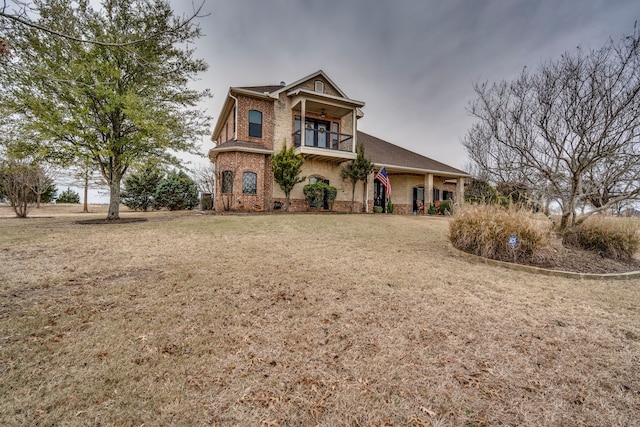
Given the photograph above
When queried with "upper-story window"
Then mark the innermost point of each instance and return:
(249, 183)
(319, 86)
(255, 123)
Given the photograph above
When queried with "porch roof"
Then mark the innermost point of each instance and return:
(398, 159)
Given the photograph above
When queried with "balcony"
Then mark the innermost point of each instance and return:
(324, 144)
(320, 138)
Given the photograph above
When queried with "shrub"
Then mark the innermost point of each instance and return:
(175, 192)
(432, 209)
(68, 196)
(616, 238)
(140, 186)
(315, 194)
(446, 207)
(484, 230)
(390, 207)
(377, 209)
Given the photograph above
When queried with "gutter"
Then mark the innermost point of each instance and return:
(392, 168)
(235, 118)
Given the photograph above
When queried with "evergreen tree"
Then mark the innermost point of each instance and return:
(176, 192)
(140, 187)
(68, 196)
(357, 170)
(286, 166)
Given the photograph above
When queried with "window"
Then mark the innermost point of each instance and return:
(255, 123)
(227, 181)
(335, 129)
(249, 183)
(436, 194)
(319, 86)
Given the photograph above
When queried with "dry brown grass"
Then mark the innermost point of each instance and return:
(327, 320)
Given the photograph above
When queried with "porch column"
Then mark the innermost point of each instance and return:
(303, 120)
(366, 195)
(460, 191)
(355, 132)
(428, 190)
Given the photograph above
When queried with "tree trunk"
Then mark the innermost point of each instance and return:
(288, 202)
(353, 195)
(114, 199)
(85, 208)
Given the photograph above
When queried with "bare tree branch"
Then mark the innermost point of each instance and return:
(571, 130)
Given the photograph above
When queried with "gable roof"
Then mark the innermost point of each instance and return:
(318, 73)
(398, 159)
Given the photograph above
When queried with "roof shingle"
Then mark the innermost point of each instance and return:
(385, 153)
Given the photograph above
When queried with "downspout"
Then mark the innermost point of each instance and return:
(235, 118)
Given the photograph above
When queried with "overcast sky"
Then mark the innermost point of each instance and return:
(413, 62)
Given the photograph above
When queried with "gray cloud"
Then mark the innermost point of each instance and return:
(413, 62)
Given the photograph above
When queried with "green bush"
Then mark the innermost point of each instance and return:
(316, 193)
(377, 209)
(390, 207)
(432, 209)
(176, 192)
(68, 196)
(446, 207)
(484, 230)
(140, 187)
(615, 238)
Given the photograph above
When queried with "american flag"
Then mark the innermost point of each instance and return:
(384, 179)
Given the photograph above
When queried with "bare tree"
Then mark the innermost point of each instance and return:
(42, 179)
(17, 177)
(570, 131)
(205, 179)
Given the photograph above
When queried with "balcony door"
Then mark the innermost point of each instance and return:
(316, 132)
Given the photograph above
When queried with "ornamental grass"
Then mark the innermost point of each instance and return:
(505, 234)
(615, 238)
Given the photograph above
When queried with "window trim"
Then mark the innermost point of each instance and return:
(255, 182)
(318, 86)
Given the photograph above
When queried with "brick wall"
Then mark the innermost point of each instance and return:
(238, 163)
(265, 106)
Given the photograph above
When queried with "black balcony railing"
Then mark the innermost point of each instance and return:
(320, 138)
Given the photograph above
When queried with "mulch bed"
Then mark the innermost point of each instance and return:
(110, 221)
(581, 261)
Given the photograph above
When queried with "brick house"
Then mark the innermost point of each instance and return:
(316, 117)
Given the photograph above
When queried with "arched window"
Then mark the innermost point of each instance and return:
(249, 183)
(227, 181)
(255, 123)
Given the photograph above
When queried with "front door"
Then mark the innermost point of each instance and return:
(418, 194)
(379, 194)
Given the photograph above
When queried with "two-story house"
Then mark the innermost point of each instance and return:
(321, 122)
